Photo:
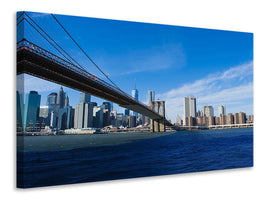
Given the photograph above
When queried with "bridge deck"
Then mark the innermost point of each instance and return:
(43, 64)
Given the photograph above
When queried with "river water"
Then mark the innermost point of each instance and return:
(65, 159)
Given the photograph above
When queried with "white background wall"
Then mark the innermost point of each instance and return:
(239, 15)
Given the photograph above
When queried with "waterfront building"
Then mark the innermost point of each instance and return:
(250, 119)
(229, 118)
(217, 120)
(44, 116)
(221, 110)
(88, 114)
(204, 121)
(132, 121)
(61, 98)
(98, 117)
(65, 118)
(211, 120)
(151, 96)
(208, 111)
(31, 114)
(106, 117)
(190, 121)
(236, 118)
(84, 98)
(119, 119)
(178, 122)
(53, 119)
(43, 111)
(242, 118)
(222, 119)
(19, 111)
(189, 107)
(199, 121)
(83, 117)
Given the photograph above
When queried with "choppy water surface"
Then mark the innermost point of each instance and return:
(54, 160)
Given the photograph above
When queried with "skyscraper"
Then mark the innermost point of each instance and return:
(19, 111)
(189, 107)
(135, 95)
(83, 117)
(31, 113)
(98, 117)
(65, 118)
(66, 100)
(208, 111)
(51, 99)
(221, 110)
(85, 98)
(151, 97)
(107, 105)
(61, 98)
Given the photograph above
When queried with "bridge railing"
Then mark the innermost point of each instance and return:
(29, 46)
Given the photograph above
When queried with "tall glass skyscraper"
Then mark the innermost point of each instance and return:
(221, 110)
(51, 99)
(85, 98)
(151, 97)
(32, 105)
(19, 111)
(61, 98)
(189, 107)
(135, 95)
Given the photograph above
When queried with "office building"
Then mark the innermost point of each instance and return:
(98, 117)
(51, 99)
(178, 122)
(229, 118)
(236, 118)
(135, 95)
(132, 121)
(65, 118)
(84, 98)
(208, 111)
(221, 110)
(19, 111)
(107, 105)
(61, 98)
(83, 116)
(126, 112)
(66, 100)
(242, 118)
(189, 107)
(31, 114)
(151, 97)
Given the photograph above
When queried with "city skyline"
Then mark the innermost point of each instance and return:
(215, 66)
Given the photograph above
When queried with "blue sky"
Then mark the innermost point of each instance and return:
(215, 66)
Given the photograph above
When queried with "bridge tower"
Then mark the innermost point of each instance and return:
(158, 125)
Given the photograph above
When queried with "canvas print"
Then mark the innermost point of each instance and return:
(100, 99)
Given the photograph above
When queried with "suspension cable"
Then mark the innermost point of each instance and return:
(84, 51)
(81, 68)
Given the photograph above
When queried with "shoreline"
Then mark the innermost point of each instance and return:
(137, 131)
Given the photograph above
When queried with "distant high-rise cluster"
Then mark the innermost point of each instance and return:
(206, 116)
(57, 114)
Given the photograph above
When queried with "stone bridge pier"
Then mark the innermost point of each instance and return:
(158, 125)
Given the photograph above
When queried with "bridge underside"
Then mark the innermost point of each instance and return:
(38, 66)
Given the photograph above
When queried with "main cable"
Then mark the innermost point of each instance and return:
(80, 67)
(84, 51)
